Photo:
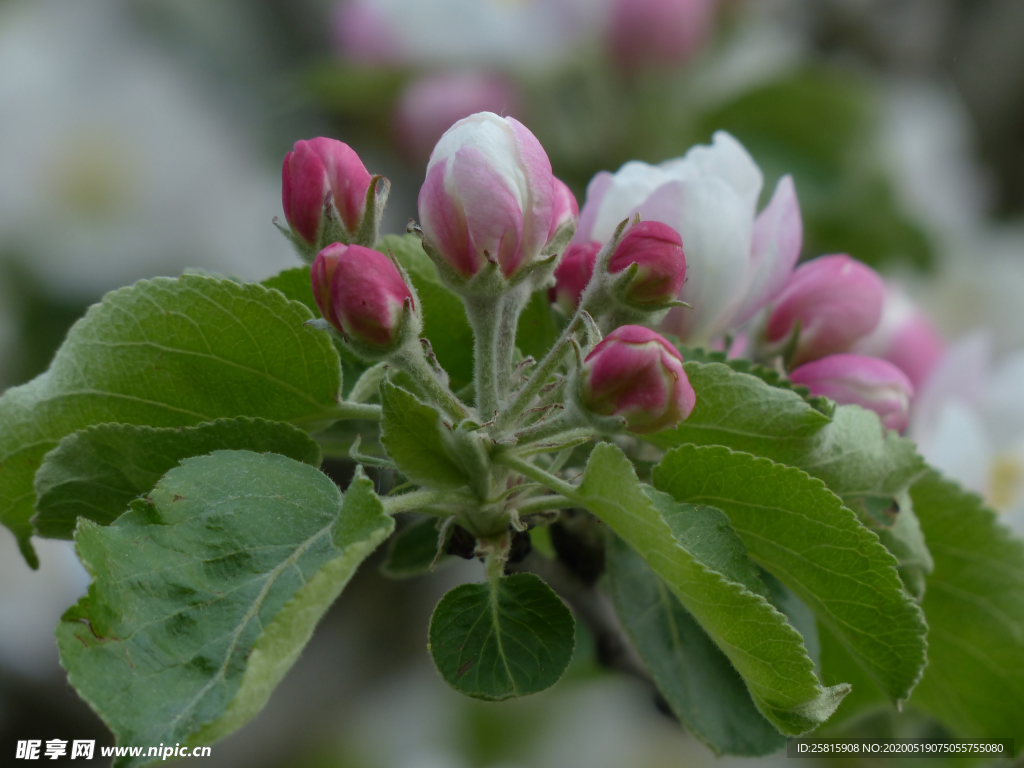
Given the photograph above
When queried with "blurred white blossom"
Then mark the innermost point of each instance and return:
(115, 165)
(968, 421)
(528, 34)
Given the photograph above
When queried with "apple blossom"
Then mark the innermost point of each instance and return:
(312, 170)
(361, 293)
(573, 273)
(489, 195)
(657, 250)
(875, 384)
(737, 260)
(636, 375)
(906, 337)
(566, 209)
(835, 299)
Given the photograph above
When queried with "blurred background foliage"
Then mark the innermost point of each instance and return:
(141, 137)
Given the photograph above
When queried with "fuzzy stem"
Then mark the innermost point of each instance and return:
(532, 471)
(512, 306)
(560, 459)
(539, 504)
(539, 377)
(420, 499)
(343, 412)
(567, 423)
(484, 315)
(412, 360)
(367, 384)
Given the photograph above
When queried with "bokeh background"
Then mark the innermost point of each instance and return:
(144, 137)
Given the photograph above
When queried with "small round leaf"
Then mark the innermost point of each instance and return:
(495, 641)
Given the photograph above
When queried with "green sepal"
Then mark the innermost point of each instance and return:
(411, 433)
(417, 549)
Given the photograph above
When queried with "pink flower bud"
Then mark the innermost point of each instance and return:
(565, 209)
(430, 105)
(573, 273)
(657, 250)
(489, 195)
(314, 168)
(658, 33)
(906, 337)
(636, 375)
(366, 295)
(875, 384)
(836, 300)
(320, 275)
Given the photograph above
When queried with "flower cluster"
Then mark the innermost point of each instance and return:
(496, 222)
(831, 321)
(658, 257)
(680, 247)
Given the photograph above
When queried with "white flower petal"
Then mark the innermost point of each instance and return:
(633, 184)
(716, 230)
(961, 376)
(724, 159)
(958, 446)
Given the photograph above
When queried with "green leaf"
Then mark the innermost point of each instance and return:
(763, 647)
(167, 353)
(295, 284)
(444, 316)
(705, 532)
(413, 551)
(851, 453)
(696, 679)
(899, 530)
(799, 615)
(768, 375)
(864, 697)
(94, 473)
(798, 530)
(537, 331)
(510, 637)
(974, 682)
(203, 598)
(410, 433)
(744, 408)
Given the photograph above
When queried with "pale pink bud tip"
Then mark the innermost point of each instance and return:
(836, 299)
(637, 375)
(314, 168)
(573, 273)
(657, 250)
(360, 292)
(565, 209)
(489, 195)
(869, 382)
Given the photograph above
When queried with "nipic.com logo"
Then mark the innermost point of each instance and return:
(51, 749)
